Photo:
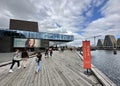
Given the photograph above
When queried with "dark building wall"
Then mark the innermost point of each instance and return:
(44, 43)
(23, 25)
(5, 44)
(100, 43)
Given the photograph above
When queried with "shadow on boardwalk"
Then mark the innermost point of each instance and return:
(63, 69)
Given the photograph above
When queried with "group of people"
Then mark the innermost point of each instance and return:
(48, 52)
(23, 56)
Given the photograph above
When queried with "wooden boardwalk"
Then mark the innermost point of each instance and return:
(63, 69)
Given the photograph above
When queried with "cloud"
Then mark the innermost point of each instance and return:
(4, 22)
(72, 16)
(108, 24)
(103, 25)
(20, 9)
(112, 7)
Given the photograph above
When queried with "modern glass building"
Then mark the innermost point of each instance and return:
(36, 35)
(11, 39)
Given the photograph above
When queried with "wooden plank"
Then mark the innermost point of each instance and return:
(43, 76)
(52, 76)
(27, 74)
(63, 69)
(60, 70)
(48, 66)
(69, 74)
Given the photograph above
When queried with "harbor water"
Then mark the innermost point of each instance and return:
(108, 62)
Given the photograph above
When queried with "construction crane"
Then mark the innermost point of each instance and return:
(94, 38)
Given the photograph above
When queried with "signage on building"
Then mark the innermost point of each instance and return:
(86, 54)
(29, 43)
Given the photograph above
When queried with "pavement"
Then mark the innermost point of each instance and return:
(63, 63)
(62, 69)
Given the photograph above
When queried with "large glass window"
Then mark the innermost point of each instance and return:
(45, 35)
(26, 34)
(64, 37)
(55, 36)
(32, 34)
(61, 37)
(42, 35)
(38, 35)
(1, 32)
(50, 36)
(23, 34)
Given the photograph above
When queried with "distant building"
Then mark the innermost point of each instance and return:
(100, 44)
(109, 42)
(118, 43)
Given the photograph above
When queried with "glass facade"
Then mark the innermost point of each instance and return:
(36, 35)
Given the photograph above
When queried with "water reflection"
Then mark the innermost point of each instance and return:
(108, 63)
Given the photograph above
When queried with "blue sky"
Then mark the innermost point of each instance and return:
(81, 18)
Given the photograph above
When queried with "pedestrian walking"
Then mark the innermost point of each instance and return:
(16, 59)
(25, 57)
(46, 53)
(59, 49)
(51, 52)
(39, 61)
(62, 49)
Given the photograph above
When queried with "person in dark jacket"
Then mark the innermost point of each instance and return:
(39, 61)
(25, 57)
(51, 52)
(46, 53)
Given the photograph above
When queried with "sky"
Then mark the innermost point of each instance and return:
(82, 18)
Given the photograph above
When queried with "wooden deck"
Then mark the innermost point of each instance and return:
(63, 69)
